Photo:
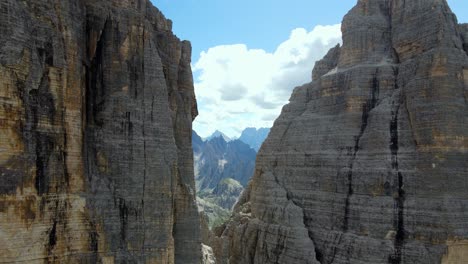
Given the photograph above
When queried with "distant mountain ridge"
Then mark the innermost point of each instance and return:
(218, 133)
(216, 159)
(251, 136)
(222, 170)
(223, 167)
(254, 137)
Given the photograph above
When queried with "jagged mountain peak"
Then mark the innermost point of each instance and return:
(254, 137)
(218, 134)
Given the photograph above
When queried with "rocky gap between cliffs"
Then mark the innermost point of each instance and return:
(223, 167)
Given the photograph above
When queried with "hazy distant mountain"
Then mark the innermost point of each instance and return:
(254, 137)
(197, 142)
(218, 133)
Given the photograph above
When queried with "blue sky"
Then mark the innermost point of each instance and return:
(258, 23)
(248, 55)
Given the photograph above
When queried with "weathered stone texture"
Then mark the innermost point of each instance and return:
(96, 106)
(327, 64)
(369, 162)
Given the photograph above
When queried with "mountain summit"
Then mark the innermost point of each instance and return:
(254, 137)
(216, 134)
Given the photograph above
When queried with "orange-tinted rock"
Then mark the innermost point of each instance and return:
(96, 107)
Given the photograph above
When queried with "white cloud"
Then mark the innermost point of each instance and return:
(233, 92)
(239, 87)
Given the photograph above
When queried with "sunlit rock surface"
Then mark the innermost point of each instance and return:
(96, 110)
(369, 162)
(208, 257)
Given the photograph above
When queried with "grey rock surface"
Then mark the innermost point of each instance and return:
(464, 34)
(96, 110)
(369, 162)
(327, 64)
(208, 256)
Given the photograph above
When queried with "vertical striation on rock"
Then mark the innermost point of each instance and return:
(369, 162)
(96, 107)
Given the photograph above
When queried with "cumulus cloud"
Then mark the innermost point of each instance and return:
(260, 101)
(238, 87)
(269, 117)
(233, 92)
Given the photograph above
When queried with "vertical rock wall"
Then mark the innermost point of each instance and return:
(369, 162)
(96, 107)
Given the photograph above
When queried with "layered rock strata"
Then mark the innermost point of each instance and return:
(369, 162)
(96, 106)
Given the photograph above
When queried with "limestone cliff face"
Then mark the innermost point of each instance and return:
(369, 162)
(96, 106)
